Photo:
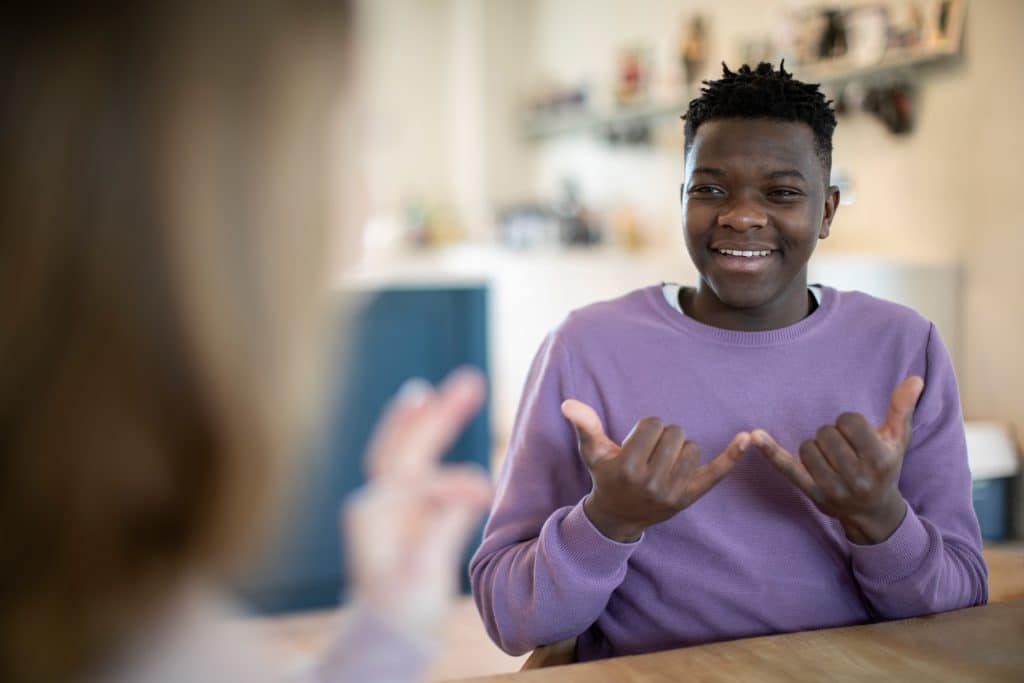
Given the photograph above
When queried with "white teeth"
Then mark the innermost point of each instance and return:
(746, 254)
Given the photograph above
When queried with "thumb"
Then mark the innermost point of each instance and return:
(897, 423)
(595, 445)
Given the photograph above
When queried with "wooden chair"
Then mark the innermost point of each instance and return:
(555, 654)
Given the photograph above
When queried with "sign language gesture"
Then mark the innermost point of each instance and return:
(851, 469)
(406, 529)
(654, 474)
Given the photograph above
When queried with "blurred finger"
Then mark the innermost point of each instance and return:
(409, 403)
(438, 551)
(371, 546)
(466, 485)
(457, 400)
(452, 529)
(458, 500)
(430, 432)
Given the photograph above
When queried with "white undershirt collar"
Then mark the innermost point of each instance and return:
(671, 292)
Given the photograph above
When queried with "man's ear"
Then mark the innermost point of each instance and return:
(831, 206)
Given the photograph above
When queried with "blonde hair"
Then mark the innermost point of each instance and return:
(163, 204)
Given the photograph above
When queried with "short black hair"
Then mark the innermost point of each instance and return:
(765, 93)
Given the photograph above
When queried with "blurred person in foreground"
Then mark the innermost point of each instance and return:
(170, 171)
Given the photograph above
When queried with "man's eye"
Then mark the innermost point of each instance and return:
(785, 193)
(705, 189)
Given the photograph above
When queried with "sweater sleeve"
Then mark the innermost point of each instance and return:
(932, 562)
(543, 572)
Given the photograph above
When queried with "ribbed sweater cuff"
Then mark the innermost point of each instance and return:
(589, 549)
(897, 557)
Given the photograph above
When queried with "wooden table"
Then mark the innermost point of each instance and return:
(887, 650)
(465, 648)
(1005, 571)
(977, 644)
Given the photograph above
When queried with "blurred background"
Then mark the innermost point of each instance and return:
(524, 157)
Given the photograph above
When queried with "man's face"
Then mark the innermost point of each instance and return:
(754, 204)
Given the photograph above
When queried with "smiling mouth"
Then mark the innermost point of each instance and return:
(744, 253)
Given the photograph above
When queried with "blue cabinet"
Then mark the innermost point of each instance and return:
(396, 334)
(993, 504)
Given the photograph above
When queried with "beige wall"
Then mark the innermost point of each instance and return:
(407, 109)
(444, 81)
(991, 231)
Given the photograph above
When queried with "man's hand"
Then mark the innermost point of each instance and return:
(654, 474)
(851, 470)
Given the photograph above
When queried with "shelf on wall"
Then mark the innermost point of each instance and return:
(830, 72)
(840, 71)
(541, 126)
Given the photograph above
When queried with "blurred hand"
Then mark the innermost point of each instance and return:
(406, 530)
(652, 476)
(851, 470)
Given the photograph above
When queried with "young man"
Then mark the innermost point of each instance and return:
(614, 528)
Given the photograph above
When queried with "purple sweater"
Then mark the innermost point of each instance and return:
(753, 556)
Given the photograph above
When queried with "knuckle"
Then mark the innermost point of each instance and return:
(632, 475)
(861, 485)
(652, 488)
(673, 500)
(824, 432)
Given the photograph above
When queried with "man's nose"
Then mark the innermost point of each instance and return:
(742, 216)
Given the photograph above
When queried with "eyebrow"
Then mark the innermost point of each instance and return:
(708, 170)
(773, 175)
(787, 173)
